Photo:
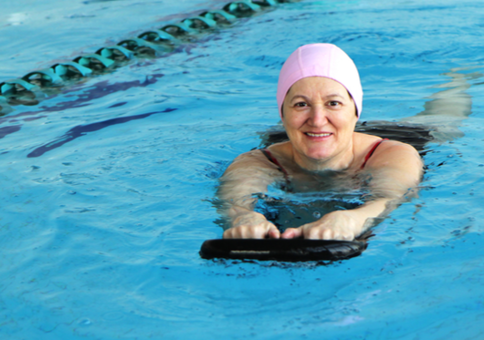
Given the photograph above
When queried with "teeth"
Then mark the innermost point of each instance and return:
(317, 134)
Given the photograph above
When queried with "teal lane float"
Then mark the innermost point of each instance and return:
(32, 87)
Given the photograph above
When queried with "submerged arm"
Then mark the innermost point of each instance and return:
(447, 108)
(395, 171)
(250, 173)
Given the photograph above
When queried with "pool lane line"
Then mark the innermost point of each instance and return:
(30, 89)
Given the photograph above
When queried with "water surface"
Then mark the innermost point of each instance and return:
(107, 184)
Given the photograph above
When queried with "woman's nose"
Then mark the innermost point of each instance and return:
(318, 116)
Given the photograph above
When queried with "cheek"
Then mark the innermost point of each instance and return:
(346, 120)
(293, 118)
(291, 122)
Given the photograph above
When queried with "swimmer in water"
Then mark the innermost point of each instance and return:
(319, 97)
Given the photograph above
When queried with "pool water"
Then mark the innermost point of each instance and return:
(108, 183)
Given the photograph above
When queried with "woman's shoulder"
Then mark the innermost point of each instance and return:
(281, 149)
(387, 152)
(364, 142)
(253, 157)
(257, 158)
(283, 152)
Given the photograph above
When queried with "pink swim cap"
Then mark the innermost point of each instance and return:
(320, 60)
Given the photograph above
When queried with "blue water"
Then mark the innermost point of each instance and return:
(101, 223)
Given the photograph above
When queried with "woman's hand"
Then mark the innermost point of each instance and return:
(251, 224)
(337, 225)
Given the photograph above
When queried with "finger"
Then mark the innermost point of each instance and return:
(274, 232)
(257, 232)
(337, 235)
(327, 234)
(228, 233)
(292, 233)
(348, 237)
(235, 232)
(314, 233)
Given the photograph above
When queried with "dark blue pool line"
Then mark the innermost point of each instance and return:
(82, 130)
(151, 43)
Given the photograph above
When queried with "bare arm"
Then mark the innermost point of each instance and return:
(396, 170)
(249, 173)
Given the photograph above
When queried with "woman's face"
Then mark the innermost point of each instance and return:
(319, 116)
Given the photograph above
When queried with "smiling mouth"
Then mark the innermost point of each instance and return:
(318, 134)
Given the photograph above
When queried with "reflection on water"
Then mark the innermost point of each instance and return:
(100, 237)
(82, 130)
(17, 18)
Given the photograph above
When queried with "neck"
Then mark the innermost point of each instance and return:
(338, 162)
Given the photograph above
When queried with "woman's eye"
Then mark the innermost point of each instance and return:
(301, 104)
(334, 103)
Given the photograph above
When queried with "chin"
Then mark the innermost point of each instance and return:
(318, 155)
(318, 151)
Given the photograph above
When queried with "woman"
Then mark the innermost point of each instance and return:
(319, 98)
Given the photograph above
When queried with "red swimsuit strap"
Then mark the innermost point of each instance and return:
(273, 159)
(369, 154)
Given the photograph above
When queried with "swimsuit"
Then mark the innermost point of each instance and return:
(377, 144)
(286, 213)
(273, 160)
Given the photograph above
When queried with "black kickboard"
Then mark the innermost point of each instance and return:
(289, 250)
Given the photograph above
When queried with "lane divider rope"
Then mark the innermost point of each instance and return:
(28, 90)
